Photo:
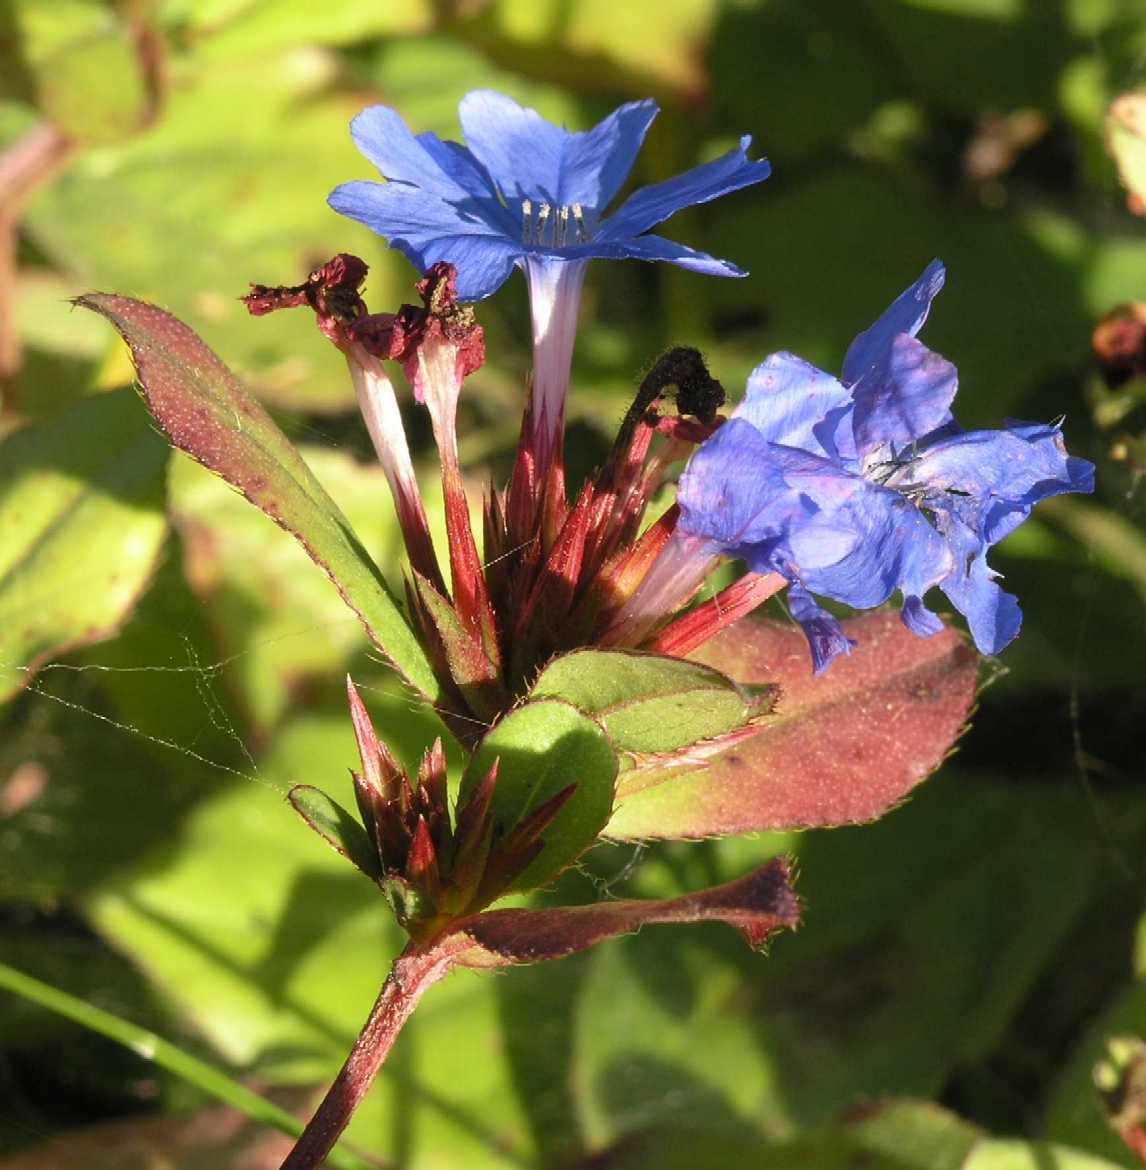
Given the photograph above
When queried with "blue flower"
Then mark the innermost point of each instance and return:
(526, 193)
(525, 189)
(857, 487)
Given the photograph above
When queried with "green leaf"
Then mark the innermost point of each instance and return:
(888, 1135)
(1126, 136)
(340, 829)
(646, 702)
(86, 68)
(206, 412)
(542, 748)
(280, 629)
(948, 910)
(165, 1055)
(81, 527)
(840, 747)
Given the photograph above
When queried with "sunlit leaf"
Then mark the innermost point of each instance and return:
(81, 526)
(840, 747)
(542, 748)
(648, 703)
(206, 412)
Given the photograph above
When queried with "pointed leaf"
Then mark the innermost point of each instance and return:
(542, 748)
(205, 411)
(336, 827)
(840, 748)
(757, 905)
(646, 702)
(81, 526)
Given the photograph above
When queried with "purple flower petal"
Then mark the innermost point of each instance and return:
(530, 158)
(652, 248)
(993, 616)
(428, 230)
(906, 395)
(788, 401)
(382, 136)
(905, 314)
(826, 637)
(734, 491)
(652, 205)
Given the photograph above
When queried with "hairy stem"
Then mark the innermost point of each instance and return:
(414, 971)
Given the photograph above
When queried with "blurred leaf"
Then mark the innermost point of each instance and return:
(229, 187)
(944, 911)
(279, 626)
(931, 40)
(592, 44)
(647, 703)
(259, 28)
(1126, 136)
(85, 67)
(839, 748)
(78, 802)
(798, 76)
(889, 1135)
(542, 748)
(82, 525)
(205, 411)
(1075, 1113)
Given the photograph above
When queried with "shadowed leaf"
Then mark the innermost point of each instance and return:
(840, 748)
(205, 411)
(337, 827)
(757, 905)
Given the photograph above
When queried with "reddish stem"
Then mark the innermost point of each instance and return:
(414, 972)
(707, 620)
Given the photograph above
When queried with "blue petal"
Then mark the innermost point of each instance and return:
(597, 162)
(382, 136)
(892, 545)
(906, 314)
(993, 616)
(906, 395)
(651, 205)
(999, 476)
(826, 637)
(427, 230)
(648, 248)
(789, 401)
(530, 158)
(734, 492)
(919, 619)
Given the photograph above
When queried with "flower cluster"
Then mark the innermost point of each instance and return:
(846, 488)
(555, 650)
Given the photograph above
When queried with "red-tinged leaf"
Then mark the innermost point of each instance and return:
(380, 771)
(840, 748)
(204, 410)
(422, 862)
(477, 679)
(757, 905)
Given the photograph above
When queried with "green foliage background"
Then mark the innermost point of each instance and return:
(966, 956)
